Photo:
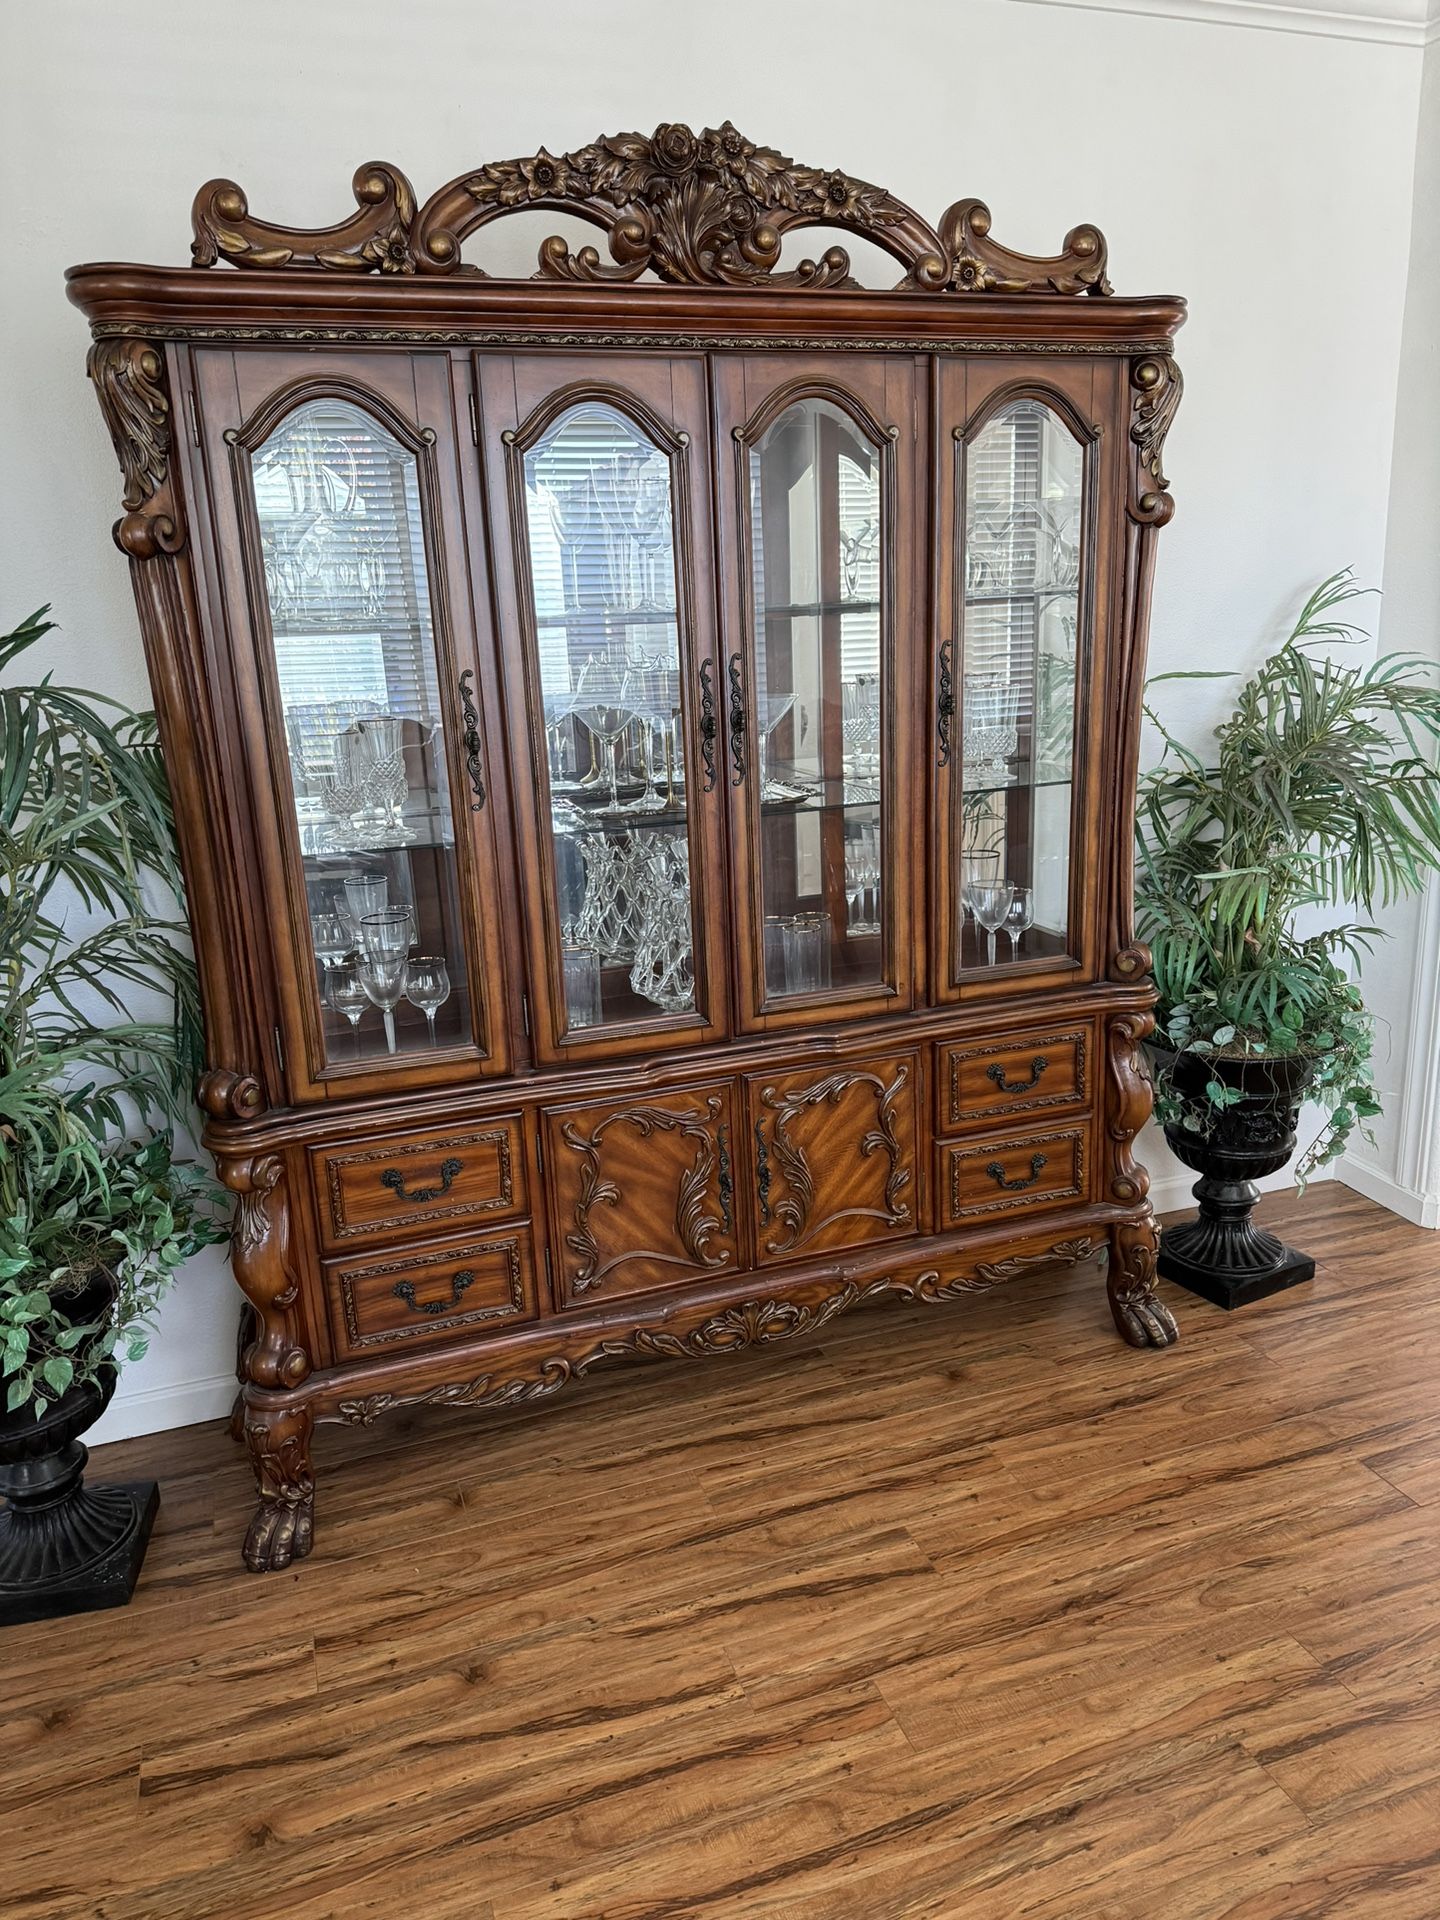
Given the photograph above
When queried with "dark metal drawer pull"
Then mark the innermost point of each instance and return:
(393, 1178)
(998, 1175)
(996, 1073)
(405, 1291)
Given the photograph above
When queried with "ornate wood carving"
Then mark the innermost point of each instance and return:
(376, 239)
(1131, 1098)
(1157, 386)
(706, 209)
(283, 1528)
(231, 1096)
(700, 1334)
(793, 1212)
(259, 1254)
(979, 264)
(695, 1225)
(1141, 1316)
(129, 376)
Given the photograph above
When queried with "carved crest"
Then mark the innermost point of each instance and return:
(706, 209)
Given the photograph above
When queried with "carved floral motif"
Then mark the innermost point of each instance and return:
(706, 209)
(748, 1323)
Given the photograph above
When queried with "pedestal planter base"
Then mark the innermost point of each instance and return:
(79, 1553)
(1222, 1255)
(1195, 1267)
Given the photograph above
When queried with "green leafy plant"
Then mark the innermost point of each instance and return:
(90, 1091)
(1321, 793)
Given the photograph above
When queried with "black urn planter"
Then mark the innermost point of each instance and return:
(66, 1547)
(1222, 1255)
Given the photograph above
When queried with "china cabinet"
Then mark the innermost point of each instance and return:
(653, 748)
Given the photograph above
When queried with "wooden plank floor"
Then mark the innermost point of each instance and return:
(964, 1612)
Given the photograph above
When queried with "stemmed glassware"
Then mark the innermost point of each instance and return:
(427, 986)
(383, 965)
(654, 690)
(1019, 918)
(771, 709)
(603, 704)
(991, 730)
(989, 902)
(383, 784)
(862, 878)
(860, 724)
(348, 995)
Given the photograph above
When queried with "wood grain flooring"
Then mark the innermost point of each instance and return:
(966, 1612)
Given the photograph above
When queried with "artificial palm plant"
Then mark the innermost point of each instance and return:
(1321, 795)
(99, 1037)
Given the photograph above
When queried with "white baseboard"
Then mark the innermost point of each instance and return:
(1420, 1209)
(183, 1403)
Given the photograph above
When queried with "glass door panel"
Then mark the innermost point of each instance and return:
(1019, 587)
(820, 694)
(599, 529)
(342, 543)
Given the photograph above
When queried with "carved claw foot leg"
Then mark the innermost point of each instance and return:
(283, 1528)
(1141, 1317)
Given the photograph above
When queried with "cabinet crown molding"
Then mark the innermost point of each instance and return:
(706, 209)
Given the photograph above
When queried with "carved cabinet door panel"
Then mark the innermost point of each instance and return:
(836, 1155)
(598, 474)
(642, 1193)
(819, 544)
(1027, 478)
(356, 664)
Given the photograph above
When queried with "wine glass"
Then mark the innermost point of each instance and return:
(989, 904)
(427, 986)
(602, 703)
(348, 996)
(1019, 917)
(362, 894)
(772, 709)
(384, 963)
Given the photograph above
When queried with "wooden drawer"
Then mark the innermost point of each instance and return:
(1020, 1173)
(393, 1187)
(980, 1083)
(403, 1297)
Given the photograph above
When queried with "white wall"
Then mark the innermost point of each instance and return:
(1265, 175)
(1402, 1167)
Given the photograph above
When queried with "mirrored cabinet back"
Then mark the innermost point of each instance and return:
(653, 748)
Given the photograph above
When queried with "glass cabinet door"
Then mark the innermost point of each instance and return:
(1018, 615)
(602, 526)
(815, 685)
(337, 517)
